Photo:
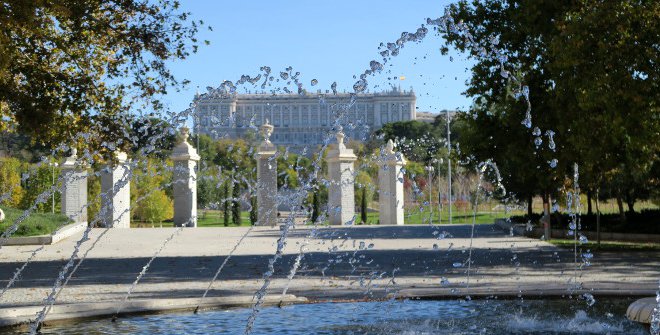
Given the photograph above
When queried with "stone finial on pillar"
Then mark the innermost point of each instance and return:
(341, 193)
(390, 182)
(185, 159)
(266, 179)
(116, 193)
(74, 193)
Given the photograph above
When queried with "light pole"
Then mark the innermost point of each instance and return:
(52, 170)
(449, 166)
(429, 169)
(439, 161)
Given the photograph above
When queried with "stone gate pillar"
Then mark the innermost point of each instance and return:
(390, 186)
(116, 193)
(185, 159)
(74, 193)
(266, 179)
(341, 193)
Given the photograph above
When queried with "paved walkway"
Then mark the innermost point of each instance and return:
(353, 262)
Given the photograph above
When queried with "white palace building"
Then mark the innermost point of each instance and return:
(301, 119)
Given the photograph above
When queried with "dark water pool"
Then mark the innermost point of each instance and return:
(490, 317)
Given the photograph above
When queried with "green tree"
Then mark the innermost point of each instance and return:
(363, 206)
(225, 203)
(316, 206)
(155, 207)
(206, 190)
(150, 184)
(39, 182)
(609, 84)
(236, 204)
(68, 64)
(418, 141)
(93, 196)
(253, 210)
(11, 192)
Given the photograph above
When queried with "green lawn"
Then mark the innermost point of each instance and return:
(214, 218)
(35, 224)
(608, 245)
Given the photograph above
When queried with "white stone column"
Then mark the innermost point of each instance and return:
(74, 193)
(185, 159)
(266, 179)
(116, 193)
(341, 194)
(390, 186)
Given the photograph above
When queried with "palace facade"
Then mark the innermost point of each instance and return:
(301, 119)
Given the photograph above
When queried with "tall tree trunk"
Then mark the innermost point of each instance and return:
(363, 206)
(547, 229)
(597, 220)
(619, 202)
(589, 211)
(630, 201)
(529, 206)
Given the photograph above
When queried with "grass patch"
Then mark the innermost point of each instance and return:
(416, 217)
(214, 218)
(35, 224)
(608, 245)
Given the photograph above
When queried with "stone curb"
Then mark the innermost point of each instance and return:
(58, 235)
(519, 229)
(445, 293)
(21, 316)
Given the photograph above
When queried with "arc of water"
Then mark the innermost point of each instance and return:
(19, 270)
(145, 268)
(292, 273)
(217, 272)
(57, 286)
(41, 198)
(261, 293)
(655, 316)
(35, 326)
(481, 171)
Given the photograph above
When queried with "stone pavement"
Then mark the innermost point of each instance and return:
(339, 263)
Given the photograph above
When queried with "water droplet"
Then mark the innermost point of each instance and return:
(589, 299)
(444, 281)
(536, 131)
(435, 246)
(538, 141)
(458, 265)
(284, 75)
(333, 87)
(527, 122)
(360, 86)
(375, 66)
(314, 82)
(553, 163)
(583, 239)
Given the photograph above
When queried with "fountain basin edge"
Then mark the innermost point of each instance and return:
(21, 316)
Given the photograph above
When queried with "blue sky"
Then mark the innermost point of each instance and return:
(324, 40)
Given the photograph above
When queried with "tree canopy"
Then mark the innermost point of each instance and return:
(591, 68)
(67, 66)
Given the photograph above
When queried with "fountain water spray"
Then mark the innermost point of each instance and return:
(144, 270)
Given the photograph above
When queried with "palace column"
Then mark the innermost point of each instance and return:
(74, 193)
(185, 159)
(390, 186)
(266, 179)
(116, 193)
(341, 193)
